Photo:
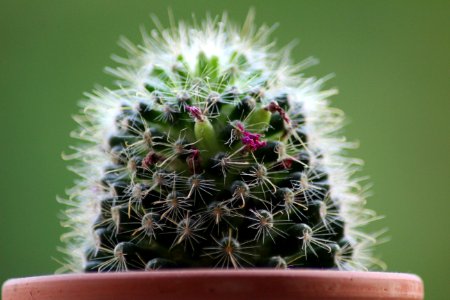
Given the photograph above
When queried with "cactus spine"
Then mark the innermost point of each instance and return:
(213, 151)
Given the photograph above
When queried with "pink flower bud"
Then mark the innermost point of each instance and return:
(195, 112)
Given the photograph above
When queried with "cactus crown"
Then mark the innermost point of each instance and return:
(213, 151)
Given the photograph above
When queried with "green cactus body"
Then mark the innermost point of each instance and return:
(214, 151)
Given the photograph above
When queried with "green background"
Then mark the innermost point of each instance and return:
(392, 66)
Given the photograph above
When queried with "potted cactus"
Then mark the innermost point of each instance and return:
(214, 169)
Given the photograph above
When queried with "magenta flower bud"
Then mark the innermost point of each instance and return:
(195, 112)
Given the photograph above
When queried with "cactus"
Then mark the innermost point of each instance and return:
(213, 151)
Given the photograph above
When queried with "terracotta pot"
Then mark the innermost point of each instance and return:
(218, 284)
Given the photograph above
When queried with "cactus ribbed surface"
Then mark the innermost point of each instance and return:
(213, 150)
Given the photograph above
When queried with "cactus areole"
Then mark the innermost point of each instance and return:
(213, 151)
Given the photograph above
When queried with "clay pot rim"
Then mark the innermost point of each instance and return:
(219, 284)
(260, 272)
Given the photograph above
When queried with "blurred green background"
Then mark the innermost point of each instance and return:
(392, 66)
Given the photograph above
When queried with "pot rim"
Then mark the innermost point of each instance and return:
(314, 273)
(220, 284)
